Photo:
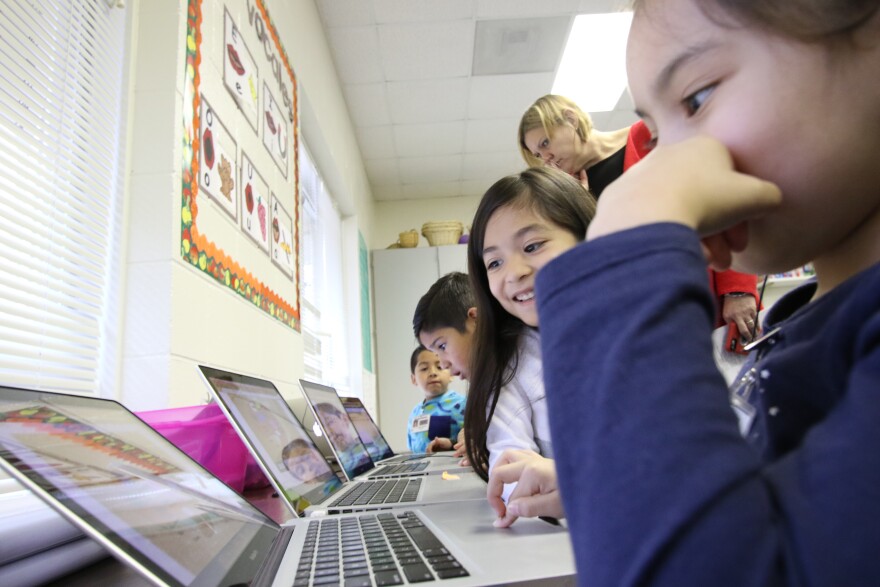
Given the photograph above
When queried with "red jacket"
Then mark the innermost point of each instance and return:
(638, 144)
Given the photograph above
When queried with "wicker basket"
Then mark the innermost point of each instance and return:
(442, 233)
(408, 239)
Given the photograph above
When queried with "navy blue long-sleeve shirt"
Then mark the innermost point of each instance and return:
(658, 484)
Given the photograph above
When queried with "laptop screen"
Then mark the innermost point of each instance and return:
(131, 489)
(366, 428)
(298, 470)
(340, 432)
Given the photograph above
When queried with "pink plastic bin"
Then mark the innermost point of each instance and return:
(204, 433)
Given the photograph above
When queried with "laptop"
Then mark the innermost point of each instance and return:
(300, 473)
(161, 513)
(369, 433)
(349, 450)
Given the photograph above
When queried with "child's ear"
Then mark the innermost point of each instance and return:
(412, 378)
(472, 313)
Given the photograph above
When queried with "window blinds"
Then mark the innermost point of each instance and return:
(61, 105)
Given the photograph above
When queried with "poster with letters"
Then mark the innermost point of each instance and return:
(254, 204)
(217, 164)
(282, 237)
(275, 136)
(240, 73)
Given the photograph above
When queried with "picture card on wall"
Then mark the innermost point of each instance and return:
(282, 237)
(240, 73)
(254, 204)
(275, 136)
(217, 166)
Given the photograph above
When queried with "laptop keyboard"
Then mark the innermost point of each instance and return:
(373, 492)
(373, 550)
(399, 469)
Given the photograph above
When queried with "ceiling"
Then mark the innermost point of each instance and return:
(435, 88)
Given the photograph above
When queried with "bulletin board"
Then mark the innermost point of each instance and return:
(240, 179)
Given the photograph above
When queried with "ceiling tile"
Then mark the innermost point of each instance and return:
(524, 8)
(522, 45)
(623, 118)
(506, 96)
(367, 104)
(483, 136)
(436, 100)
(335, 13)
(437, 138)
(376, 142)
(421, 10)
(425, 51)
(430, 169)
(382, 171)
(601, 120)
(440, 189)
(356, 54)
(491, 166)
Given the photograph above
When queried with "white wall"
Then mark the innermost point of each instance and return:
(175, 316)
(396, 216)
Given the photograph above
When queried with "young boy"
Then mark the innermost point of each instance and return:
(437, 419)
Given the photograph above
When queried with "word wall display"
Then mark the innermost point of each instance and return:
(240, 128)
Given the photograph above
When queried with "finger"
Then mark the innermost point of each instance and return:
(540, 504)
(493, 496)
(505, 520)
(465, 462)
(582, 177)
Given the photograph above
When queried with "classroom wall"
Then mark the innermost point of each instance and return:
(174, 316)
(396, 216)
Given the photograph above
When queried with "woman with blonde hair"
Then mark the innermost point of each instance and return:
(555, 132)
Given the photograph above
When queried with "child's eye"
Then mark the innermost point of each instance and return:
(493, 264)
(545, 143)
(441, 346)
(696, 100)
(532, 247)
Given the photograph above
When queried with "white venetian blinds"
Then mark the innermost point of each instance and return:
(61, 105)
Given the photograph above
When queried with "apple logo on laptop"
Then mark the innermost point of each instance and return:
(316, 428)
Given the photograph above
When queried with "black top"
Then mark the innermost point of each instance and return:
(604, 172)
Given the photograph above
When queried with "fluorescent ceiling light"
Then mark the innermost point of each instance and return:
(593, 67)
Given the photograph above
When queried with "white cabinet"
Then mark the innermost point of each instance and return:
(400, 278)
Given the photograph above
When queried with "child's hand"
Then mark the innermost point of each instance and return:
(461, 449)
(692, 183)
(438, 445)
(536, 492)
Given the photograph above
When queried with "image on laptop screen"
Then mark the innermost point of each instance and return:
(299, 470)
(367, 430)
(344, 440)
(140, 496)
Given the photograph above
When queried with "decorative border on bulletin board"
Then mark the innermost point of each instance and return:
(194, 246)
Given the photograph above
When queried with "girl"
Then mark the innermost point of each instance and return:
(763, 113)
(555, 132)
(522, 222)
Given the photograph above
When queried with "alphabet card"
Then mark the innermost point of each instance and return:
(274, 130)
(282, 238)
(240, 74)
(254, 204)
(217, 161)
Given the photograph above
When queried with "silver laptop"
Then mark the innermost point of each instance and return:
(300, 473)
(369, 433)
(353, 457)
(160, 512)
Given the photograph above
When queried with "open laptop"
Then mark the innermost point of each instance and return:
(369, 433)
(164, 515)
(350, 452)
(297, 469)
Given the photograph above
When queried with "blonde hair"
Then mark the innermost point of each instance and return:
(549, 112)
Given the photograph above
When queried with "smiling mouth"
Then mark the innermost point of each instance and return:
(524, 297)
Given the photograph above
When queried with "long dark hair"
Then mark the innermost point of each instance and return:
(554, 196)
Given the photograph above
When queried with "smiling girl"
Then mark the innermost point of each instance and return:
(522, 222)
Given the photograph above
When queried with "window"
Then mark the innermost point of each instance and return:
(325, 351)
(61, 105)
